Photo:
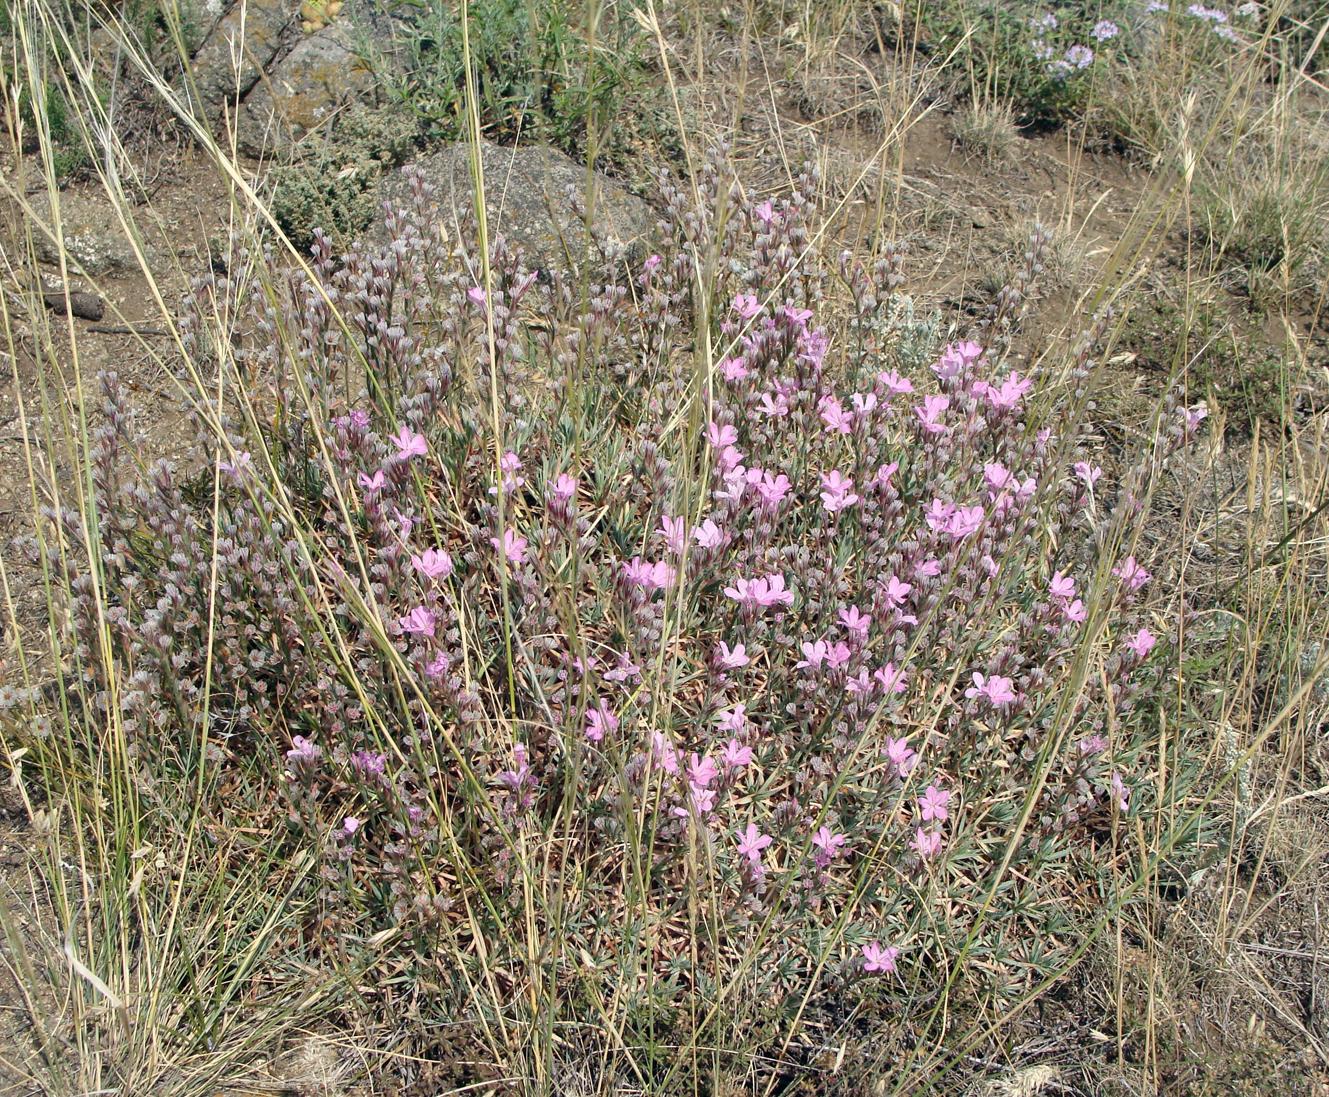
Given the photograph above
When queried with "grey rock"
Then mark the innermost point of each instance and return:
(94, 239)
(526, 199)
(197, 19)
(303, 91)
(258, 31)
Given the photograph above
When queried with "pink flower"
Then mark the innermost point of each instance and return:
(894, 383)
(775, 593)
(837, 492)
(896, 592)
(303, 751)
(700, 802)
(649, 576)
(939, 514)
(838, 655)
(998, 478)
(964, 521)
(241, 466)
(731, 659)
(735, 485)
(734, 719)
(664, 752)
(708, 535)
(565, 487)
(476, 295)
(719, 436)
(1142, 643)
(765, 213)
(837, 420)
(409, 444)
(901, 755)
(625, 669)
(864, 403)
(701, 771)
(372, 485)
(419, 622)
(675, 532)
(350, 825)
(751, 842)
(1131, 574)
(927, 569)
(369, 763)
(933, 804)
(929, 413)
(760, 593)
(955, 361)
(1121, 794)
(734, 370)
(1192, 417)
(882, 480)
(735, 755)
(777, 406)
(1061, 588)
(859, 683)
(432, 563)
(509, 465)
(1012, 391)
(1074, 611)
(812, 347)
(773, 489)
(890, 679)
(356, 420)
(927, 844)
(1088, 473)
(878, 960)
(746, 305)
(998, 691)
(857, 623)
(731, 458)
(828, 842)
(520, 774)
(813, 655)
(512, 548)
(405, 521)
(797, 317)
(600, 720)
(438, 666)
(968, 349)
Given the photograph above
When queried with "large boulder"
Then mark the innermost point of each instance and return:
(527, 200)
(239, 48)
(303, 91)
(279, 70)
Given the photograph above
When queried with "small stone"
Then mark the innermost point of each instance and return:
(86, 306)
(94, 239)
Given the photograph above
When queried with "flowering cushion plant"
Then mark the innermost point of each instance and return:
(735, 642)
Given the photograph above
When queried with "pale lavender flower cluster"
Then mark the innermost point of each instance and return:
(810, 611)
